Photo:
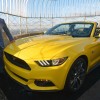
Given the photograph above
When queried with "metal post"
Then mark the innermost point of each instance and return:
(7, 19)
(52, 20)
(7, 12)
(40, 22)
(26, 26)
(20, 8)
(10, 7)
(16, 5)
(20, 26)
(26, 4)
(6, 6)
(2, 6)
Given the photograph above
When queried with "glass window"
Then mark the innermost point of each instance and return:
(72, 29)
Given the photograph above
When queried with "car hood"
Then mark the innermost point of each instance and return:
(42, 46)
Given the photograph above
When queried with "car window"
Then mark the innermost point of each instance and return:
(72, 29)
(61, 29)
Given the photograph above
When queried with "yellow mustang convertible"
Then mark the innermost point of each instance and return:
(58, 59)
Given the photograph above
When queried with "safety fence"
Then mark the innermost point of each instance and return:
(19, 25)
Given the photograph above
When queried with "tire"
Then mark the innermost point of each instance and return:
(76, 75)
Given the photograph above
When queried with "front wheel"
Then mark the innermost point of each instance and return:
(76, 75)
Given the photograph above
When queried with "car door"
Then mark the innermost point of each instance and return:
(95, 51)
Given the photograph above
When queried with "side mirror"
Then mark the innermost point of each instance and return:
(97, 36)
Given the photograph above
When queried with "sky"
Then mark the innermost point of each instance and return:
(50, 8)
(62, 8)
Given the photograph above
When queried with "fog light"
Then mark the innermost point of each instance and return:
(43, 83)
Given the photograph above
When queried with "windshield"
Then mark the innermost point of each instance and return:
(72, 29)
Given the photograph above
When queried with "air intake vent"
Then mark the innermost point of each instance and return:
(16, 61)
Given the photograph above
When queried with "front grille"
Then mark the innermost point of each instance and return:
(16, 61)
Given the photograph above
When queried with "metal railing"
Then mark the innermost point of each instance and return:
(19, 25)
(31, 16)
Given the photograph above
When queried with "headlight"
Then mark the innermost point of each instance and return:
(53, 62)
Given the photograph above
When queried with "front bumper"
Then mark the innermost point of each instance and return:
(55, 75)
